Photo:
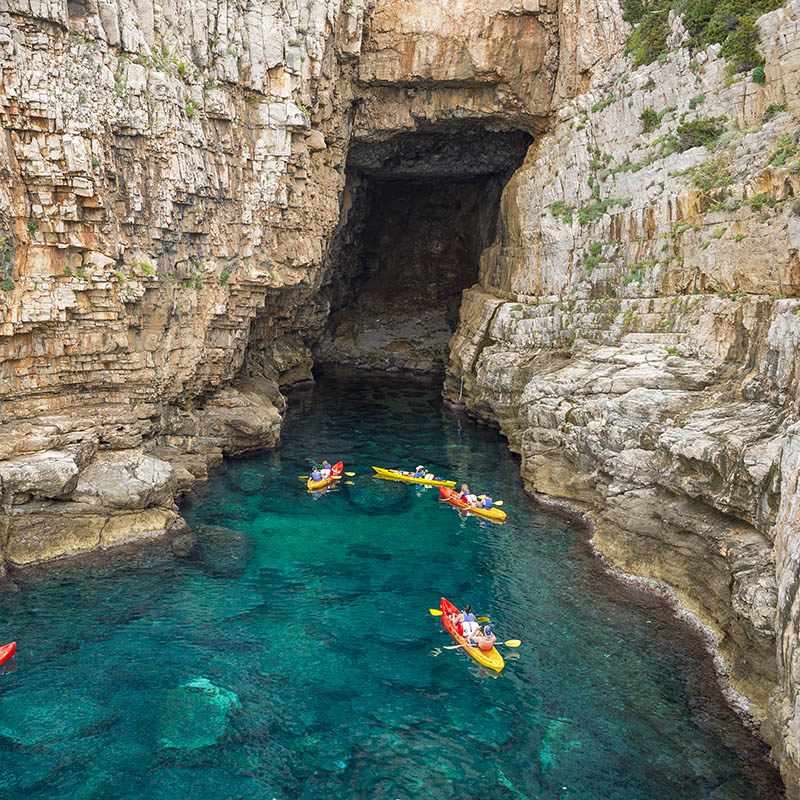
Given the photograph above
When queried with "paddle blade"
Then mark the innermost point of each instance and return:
(497, 503)
(435, 612)
(350, 474)
(512, 643)
(349, 483)
(302, 477)
(453, 646)
(484, 619)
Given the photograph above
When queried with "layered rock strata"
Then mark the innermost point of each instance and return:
(174, 218)
(170, 178)
(634, 335)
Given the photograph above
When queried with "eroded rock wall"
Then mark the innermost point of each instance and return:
(170, 176)
(634, 334)
(164, 199)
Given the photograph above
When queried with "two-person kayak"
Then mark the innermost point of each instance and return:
(494, 514)
(336, 474)
(7, 652)
(397, 475)
(488, 658)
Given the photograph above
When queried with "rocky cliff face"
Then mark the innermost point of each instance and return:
(193, 200)
(634, 334)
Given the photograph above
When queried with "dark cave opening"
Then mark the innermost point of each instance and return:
(417, 212)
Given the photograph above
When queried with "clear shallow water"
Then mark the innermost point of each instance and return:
(314, 668)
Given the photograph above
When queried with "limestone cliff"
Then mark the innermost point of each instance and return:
(194, 200)
(634, 335)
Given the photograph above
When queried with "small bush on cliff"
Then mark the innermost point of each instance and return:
(772, 110)
(649, 119)
(7, 285)
(700, 132)
(758, 75)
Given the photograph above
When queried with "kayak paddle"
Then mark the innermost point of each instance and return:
(435, 612)
(509, 643)
(350, 474)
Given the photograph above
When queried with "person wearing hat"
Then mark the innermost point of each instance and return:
(420, 472)
(316, 475)
(487, 501)
(486, 640)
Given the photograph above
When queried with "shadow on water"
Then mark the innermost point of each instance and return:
(293, 656)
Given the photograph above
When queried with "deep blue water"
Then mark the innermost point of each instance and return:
(314, 669)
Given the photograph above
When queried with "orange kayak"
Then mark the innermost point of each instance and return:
(336, 474)
(494, 514)
(488, 658)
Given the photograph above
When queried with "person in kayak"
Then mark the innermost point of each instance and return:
(420, 472)
(465, 622)
(316, 475)
(326, 470)
(486, 640)
(487, 501)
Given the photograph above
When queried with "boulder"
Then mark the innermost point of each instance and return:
(195, 715)
(225, 552)
(42, 475)
(126, 479)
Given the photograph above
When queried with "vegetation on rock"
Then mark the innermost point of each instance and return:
(731, 23)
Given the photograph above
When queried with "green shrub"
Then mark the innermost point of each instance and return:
(595, 248)
(730, 23)
(225, 274)
(695, 101)
(758, 74)
(594, 210)
(786, 149)
(33, 226)
(700, 132)
(7, 285)
(561, 210)
(190, 108)
(649, 119)
(773, 109)
(711, 174)
(604, 103)
(95, 161)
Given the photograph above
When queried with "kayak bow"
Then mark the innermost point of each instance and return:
(7, 652)
(488, 658)
(494, 514)
(336, 474)
(396, 475)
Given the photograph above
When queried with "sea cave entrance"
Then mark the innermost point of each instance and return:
(417, 211)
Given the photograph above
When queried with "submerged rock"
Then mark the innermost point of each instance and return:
(195, 715)
(46, 715)
(225, 552)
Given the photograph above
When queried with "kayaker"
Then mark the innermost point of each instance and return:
(486, 640)
(466, 622)
(420, 473)
(316, 475)
(487, 501)
(464, 491)
(326, 470)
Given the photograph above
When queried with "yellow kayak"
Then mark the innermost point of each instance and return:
(494, 514)
(396, 475)
(489, 658)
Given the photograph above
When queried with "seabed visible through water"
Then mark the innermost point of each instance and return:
(293, 655)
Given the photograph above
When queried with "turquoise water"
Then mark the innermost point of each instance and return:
(293, 656)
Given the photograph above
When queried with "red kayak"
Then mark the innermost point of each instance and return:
(494, 514)
(7, 652)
